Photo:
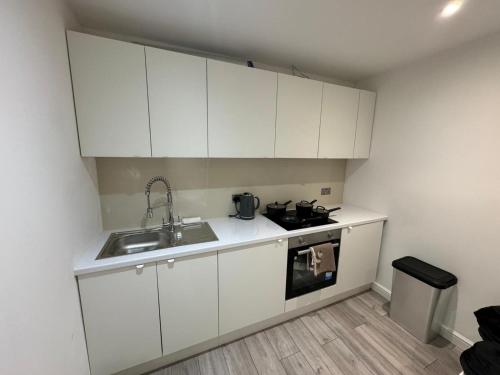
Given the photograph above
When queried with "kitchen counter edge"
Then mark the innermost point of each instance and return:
(228, 239)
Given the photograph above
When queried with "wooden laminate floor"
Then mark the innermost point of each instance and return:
(354, 336)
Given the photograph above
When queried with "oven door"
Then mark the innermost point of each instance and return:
(300, 277)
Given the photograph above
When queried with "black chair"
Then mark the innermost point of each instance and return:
(488, 319)
(484, 357)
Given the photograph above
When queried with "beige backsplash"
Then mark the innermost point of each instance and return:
(203, 187)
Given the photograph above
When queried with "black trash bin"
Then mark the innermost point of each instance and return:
(483, 358)
(488, 319)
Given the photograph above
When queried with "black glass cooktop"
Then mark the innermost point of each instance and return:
(291, 221)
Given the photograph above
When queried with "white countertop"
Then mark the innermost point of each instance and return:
(231, 233)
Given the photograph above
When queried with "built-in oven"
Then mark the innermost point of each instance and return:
(300, 277)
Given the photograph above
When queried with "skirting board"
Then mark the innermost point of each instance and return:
(382, 291)
(236, 335)
(455, 337)
(448, 333)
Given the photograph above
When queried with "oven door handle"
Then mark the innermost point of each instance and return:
(307, 251)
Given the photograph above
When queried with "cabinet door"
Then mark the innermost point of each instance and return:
(338, 121)
(241, 111)
(359, 252)
(109, 86)
(251, 284)
(364, 124)
(188, 301)
(298, 112)
(177, 87)
(120, 313)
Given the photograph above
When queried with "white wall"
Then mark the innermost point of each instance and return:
(49, 200)
(435, 170)
(203, 187)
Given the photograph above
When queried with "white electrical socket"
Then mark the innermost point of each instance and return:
(326, 191)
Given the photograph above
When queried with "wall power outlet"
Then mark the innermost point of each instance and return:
(326, 191)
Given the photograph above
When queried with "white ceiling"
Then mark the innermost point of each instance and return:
(348, 39)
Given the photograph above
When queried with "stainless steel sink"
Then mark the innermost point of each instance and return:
(133, 242)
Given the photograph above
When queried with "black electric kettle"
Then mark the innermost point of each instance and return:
(245, 205)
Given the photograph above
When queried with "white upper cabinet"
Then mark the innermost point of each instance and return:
(177, 87)
(338, 121)
(364, 124)
(298, 112)
(120, 312)
(241, 111)
(109, 84)
(136, 101)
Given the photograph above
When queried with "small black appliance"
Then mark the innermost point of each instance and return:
(245, 205)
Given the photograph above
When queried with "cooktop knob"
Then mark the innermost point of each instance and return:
(301, 240)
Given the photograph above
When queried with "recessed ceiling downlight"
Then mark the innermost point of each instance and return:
(451, 8)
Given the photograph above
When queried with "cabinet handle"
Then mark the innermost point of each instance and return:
(349, 229)
(171, 260)
(139, 266)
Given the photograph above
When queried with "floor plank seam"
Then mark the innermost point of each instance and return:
(288, 356)
(348, 337)
(430, 364)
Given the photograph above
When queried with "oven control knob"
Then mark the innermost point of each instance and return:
(329, 234)
(301, 240)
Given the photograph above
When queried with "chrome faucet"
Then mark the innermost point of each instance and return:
(170, 202)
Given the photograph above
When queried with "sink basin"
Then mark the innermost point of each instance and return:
(133, 242)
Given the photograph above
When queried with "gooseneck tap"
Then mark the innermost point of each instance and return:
(170, 202)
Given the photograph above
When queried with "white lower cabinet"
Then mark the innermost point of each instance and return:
(359, 252)
(187, 290)
(130, 314)
(120, 313)
(251, 284)
(310, 298)
(303, 300)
